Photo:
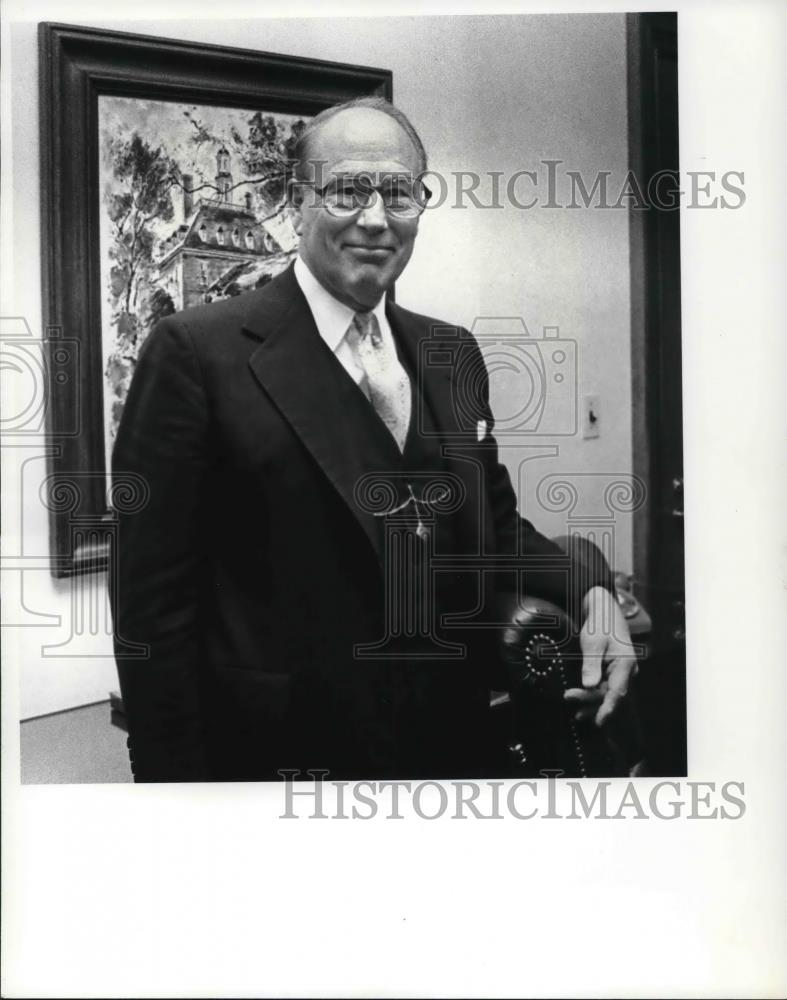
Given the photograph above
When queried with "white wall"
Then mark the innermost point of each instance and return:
(486, 93)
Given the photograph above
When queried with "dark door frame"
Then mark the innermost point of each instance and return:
(657, 426)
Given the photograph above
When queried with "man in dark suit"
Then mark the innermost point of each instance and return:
(324, 492)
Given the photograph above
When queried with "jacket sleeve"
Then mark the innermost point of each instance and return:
(544, 569)
(157, 576)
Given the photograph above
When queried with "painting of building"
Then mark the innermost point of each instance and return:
(218, 242)
(193, 210)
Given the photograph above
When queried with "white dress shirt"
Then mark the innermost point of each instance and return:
(333, 320)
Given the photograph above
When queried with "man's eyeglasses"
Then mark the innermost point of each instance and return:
(343, 197)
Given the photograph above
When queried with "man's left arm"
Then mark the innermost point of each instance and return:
(583, 585)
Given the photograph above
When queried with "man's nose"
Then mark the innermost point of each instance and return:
(373, 217)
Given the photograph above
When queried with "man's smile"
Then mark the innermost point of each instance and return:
(372, 254)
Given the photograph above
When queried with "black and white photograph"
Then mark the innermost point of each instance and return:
(382, 442)
(449, 636)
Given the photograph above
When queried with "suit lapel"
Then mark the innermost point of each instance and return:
(296, 368)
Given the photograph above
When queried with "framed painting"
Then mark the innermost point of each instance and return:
(164, 168)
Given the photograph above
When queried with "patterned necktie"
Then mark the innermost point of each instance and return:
(386, 380)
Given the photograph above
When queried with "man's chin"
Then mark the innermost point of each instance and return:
(369, 284)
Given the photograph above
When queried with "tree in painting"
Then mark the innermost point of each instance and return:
(194, 211)
(265, 152)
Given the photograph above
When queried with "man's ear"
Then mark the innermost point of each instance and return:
(295, 204)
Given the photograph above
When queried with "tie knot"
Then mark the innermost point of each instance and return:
(367, 326)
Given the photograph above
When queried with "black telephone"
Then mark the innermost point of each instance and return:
(542, 654)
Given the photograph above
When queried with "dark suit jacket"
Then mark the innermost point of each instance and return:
(251, 573)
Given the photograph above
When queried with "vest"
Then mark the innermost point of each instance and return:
(422, 702)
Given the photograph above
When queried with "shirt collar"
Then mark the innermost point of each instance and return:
(333, 318)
